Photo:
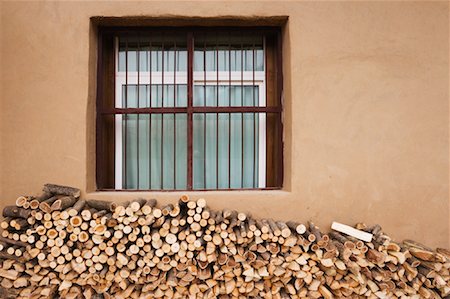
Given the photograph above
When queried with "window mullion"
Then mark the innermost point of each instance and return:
(190, 88)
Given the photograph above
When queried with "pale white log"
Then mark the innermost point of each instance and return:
(348, 230)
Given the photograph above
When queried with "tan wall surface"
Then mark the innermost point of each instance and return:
(366, 108)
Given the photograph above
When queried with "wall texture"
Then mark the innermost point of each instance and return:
(366, 108)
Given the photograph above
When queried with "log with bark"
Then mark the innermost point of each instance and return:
(76, 248)
(62, 190)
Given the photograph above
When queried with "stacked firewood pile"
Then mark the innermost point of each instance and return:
(59, 246)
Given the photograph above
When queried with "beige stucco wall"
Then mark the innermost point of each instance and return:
(366, 108)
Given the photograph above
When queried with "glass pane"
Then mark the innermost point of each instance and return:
(211, 150)
(227, 95)
(219, 53)
(226, 150)
(130, 151)
(181, 151)
(199, 151)
(145, 53)
(199, 60)
(155, 154)
(169, 96)
(211, 60)
(168, 152)
(223, 154)
(236, 60)
(143, 150)
(155, 151)
(250, 147)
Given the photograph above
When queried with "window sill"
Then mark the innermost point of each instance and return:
(130, 194)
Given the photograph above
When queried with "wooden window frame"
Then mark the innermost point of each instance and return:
(106, 65)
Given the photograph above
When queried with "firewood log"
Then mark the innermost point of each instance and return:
(45, 206)
(13, 242)
(19, 224)
(43, 196)
(63, 203)
(136, 204)
(101, 205)
(21, 200)
(62, 190)
(15, 212)
(77, 207)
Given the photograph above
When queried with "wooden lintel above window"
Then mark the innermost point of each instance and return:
(177, 21)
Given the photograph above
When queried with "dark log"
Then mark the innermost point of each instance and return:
(411, 243)
(182, 202)
(375, 230)
(63, 203)
(79, 205)
(5, 256)
(43, 196)
(13, 242)
(99, 214)
(62, 190)
(337, 236)
(22, 223)
(101, 205)
(314, 230)
(151, 202)
(16, 212)
(9, 293)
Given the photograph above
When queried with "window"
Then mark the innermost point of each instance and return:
(189, 108)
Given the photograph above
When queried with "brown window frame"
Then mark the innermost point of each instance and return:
(105, 164)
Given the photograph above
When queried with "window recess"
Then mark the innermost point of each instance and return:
(189, 109)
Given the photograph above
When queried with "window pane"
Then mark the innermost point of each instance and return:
(250, 147)
(236, 60)
(223, 155)
(146, 53)
(151, 145)
(199, 59)
(169, 96)
(167, 152)
(199, 151)
(130, 151)
(155, 151)
(227, 95)
(241, 59)
(211, 149)
(181, 151)
(226, 150)
(218, 53)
